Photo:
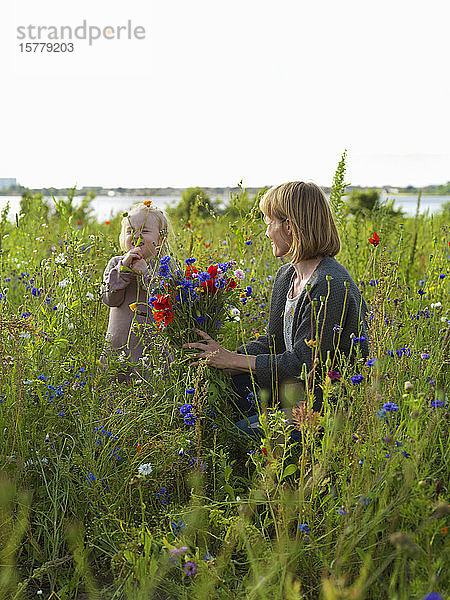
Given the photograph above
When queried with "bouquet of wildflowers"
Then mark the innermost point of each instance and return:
(190, 298)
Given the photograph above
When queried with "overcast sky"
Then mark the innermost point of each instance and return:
(219, 91)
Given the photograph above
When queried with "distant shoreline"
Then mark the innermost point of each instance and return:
(441, 190)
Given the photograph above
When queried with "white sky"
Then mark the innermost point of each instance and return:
(219, 91)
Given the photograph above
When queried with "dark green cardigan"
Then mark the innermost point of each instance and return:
(344, 308)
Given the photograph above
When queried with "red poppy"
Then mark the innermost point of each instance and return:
(163, 317)
(210, 286)
(212, 270)
(231, 284)
(188, 224)
(375, 239)
(162, 303)
(107, 222)
(264, 451)
(190, 269)
(79, 223)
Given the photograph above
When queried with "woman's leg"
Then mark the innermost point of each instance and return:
(243, 388)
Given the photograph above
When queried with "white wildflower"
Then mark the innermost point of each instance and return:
(25, 335)
(235, 312)
(89, 295)
(436, 305)
(64, 283)
(60, 259)
(145, 469)
(239, 274)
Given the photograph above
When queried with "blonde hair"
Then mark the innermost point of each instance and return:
(314, 232)
(161, 219)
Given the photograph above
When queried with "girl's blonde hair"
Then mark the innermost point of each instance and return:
(314, 232)
(161, 219)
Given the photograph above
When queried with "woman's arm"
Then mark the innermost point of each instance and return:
(219, 357)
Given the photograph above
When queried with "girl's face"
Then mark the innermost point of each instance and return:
(279, 234)
(141, 230)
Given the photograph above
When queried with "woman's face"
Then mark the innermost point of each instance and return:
(142, 231)
(279, 234)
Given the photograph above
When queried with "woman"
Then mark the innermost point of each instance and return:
(315, 307)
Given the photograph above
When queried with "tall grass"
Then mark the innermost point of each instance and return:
(356, 510)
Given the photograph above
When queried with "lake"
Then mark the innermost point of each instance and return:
(105, 206)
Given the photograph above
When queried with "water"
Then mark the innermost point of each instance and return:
(104, 207)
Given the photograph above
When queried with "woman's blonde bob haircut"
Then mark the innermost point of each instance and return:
(161, 219)
(314, 231)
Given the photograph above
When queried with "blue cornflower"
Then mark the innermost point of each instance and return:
(433, 596)
(390, 407)
(208, 556)
(304, 528)
(357, 340)
(190, 261)
(441, 276)
(164, 270)
(437, 404)
(202, 276)
(220, 283)
(25, 315)
(406, 454)
(356, 379)
(225, 266)
(190, 419)
(342, 512)
(253, 398)
(425, 355)
(248, 243)
(421, 292)
(185, 409)
(365, 501)
(248, 291)
(90, 478)
(201, 319)
(35, 292)
(337, 329)
(161, 496)
(165, 260)
(371, 362)
(177, 527)
(190, 390)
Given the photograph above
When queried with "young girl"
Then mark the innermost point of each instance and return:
(128, 280)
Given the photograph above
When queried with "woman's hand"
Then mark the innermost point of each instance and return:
(213, 353)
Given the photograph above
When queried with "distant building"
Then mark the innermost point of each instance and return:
(7, 183)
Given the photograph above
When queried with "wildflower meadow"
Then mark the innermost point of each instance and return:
(140, 487)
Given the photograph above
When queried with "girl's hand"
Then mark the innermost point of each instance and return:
(132, 255)
(214, 354)
(139, 266)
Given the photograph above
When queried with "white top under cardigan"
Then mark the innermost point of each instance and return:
(288, 317)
